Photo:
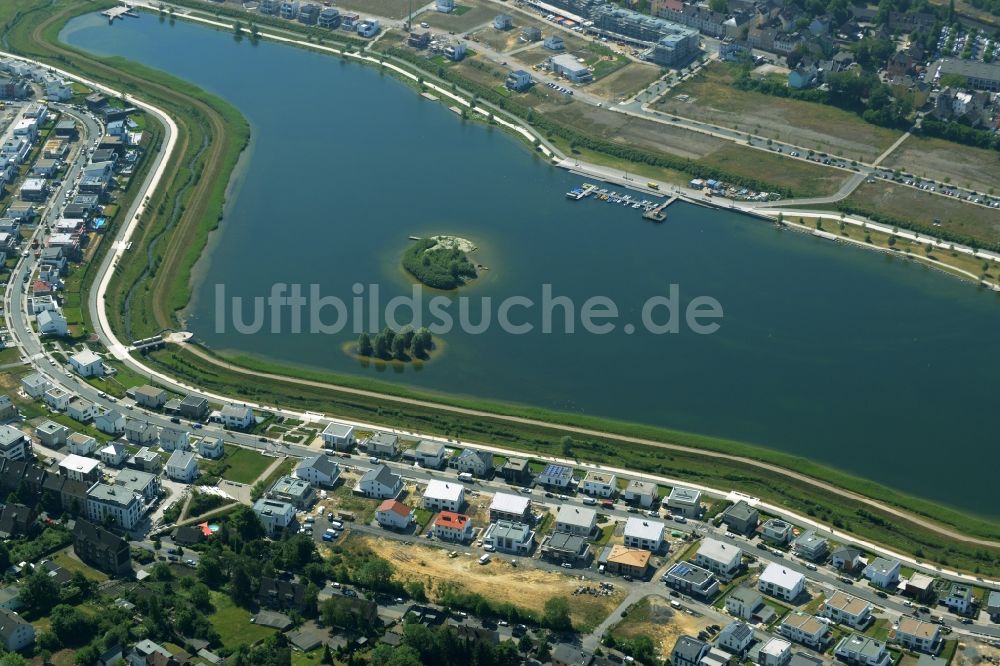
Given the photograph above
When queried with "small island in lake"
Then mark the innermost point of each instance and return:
(441, 262)
(398, 346)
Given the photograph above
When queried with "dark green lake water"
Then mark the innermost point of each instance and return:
(870, 364)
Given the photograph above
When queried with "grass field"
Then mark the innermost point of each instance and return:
(812, 126)
(233, 623)
(797, 175)
(964, 166)
(395, 9)
(469, 14)
(70, 563)
(240, 465)
(625, 82)
(922, 208)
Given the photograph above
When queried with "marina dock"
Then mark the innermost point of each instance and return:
(659, 213)
(121, 12)
(651, 210)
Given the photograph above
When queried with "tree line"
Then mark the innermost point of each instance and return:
(401, 346)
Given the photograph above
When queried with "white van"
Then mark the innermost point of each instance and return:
(485, 559)
(321, 510)
(336, 524)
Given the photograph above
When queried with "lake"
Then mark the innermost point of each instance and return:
(868, 363)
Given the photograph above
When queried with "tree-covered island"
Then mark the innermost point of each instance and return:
(441, 262)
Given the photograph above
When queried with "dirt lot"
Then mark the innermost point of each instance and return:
(506, 40)
(395, 9)
(814, 126)
(974, 168)
(976, 653)
(524, 586)
(654, 617)
(468, 14)
(923, 208)
(625, 82)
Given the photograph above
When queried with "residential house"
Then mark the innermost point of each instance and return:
(848, 559)
(960, 599)
(274, 515)
(688, 651)
(531, 34)
(509, 537)
(380, 483)
(57, 399)
(578, 520)
(318, 470)
(844, 608)
(182, 466)
(475, 462)
(194, 408)
(516, 471)
(51, 434)
(735, 637)
(114, 454)
(443, 496)
(600, 484)
(101, 549)
(51, 322)
(883, 572)
(87, 364)
(741, 518)
(444, 6)
(329, 17)
(81, 444)
(394, 515)
(8, 410)
(35, 385)
(506, 506)
(722, 559)
(860, 650)
(915, 634)
(10, 598)
(429, 455)
(281, 594)
(503, 22)
(81, 410)
(566, 64)
(174, 439)
(625, 561)
(146, 460)
(562, 547)
(692, 579)
(151, 397)
(114, 504)
(805, 629)
(236, 417)
(383, 445)
(518, 80)
(338, 436)
(745, 603)
(140, 432)
(803, 76)
(778, 581)
(451, 526)
(993, 605)
(642, 493)
(16, 520)
(16, 634)
(143, 484)
(556, 476)
(14, 444)
(80, 468)
(919, 586)
(810, 546)
(775, 652)
(776, 531)
(293, 490)
(644, 533)
(685, 502)
(148, 653)
(111, 422)
(211, 447)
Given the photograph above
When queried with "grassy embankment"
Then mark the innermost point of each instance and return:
(193, 110)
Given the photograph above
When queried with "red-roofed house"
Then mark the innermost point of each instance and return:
(451, 526)
(394, 515)
(40, 288)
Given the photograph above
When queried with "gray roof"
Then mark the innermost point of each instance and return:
(744, 594)
(239, 411)
(740, 511)
(686, 495)
(883, 565)
(691, 573)
(485, 456)
(135, 480)
(180, 458)
(430, 448)
(291, 486)
(566, 541)
(9, 435)
(847, 552)
(382, 474)
(740, 631)
(9, 624)
(578, 516)
(103, 492)
(979, 70)
(321, 464)
(505, 529)
(687, 648)
(993, 601)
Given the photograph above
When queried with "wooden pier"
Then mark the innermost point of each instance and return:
(659, 214)
(120, 11)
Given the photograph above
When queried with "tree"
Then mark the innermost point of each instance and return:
(422, 343)
(567, 446)
(375, 574)
(72, 627)
(201, 597)
(399, 347)
(210, 571)
(365, 345)
(39, 592)
(4, 557)
(240, 587)
(556, 614)
(381, 346)
(247, 524)
(327, 657)
(720, 6)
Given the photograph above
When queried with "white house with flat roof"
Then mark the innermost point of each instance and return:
(722, 559)
(35, 385)
(863, 651)
(81, 410)
(810, 546)
(578, 520)
(685, 501)
(238, 417)
(600, 484)
(182, 466)
(429, 454)
(643, 493)
(274, 515)
(844, 608)
(883, 572)
(338, 436)
(556, 476)
(79, 468)
(775, 652)
(57, 398)
(509, 537)
(81, 444)
(444, 496)
(87, 364)
(781, 582)
(507, 506)
(644, 533)
(918, 635)
(106, 501)
(805, 629)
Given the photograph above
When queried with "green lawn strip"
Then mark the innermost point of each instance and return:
(422, 517)
(233, 623)
(237, 464)
(73, 565)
